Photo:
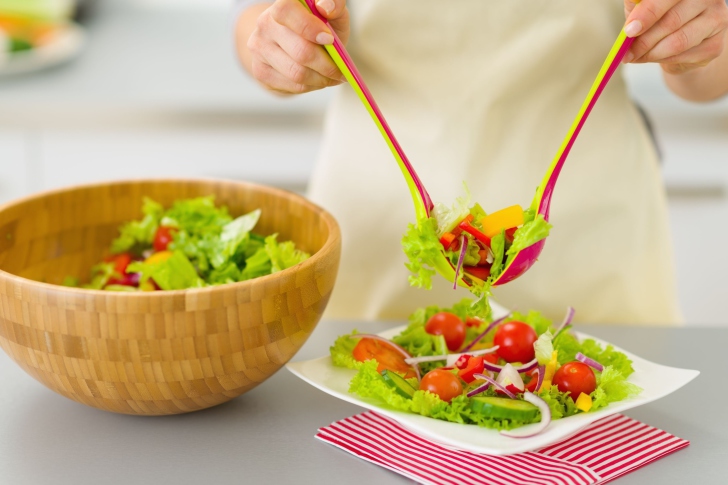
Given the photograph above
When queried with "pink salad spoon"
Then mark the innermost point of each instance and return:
(525, 258)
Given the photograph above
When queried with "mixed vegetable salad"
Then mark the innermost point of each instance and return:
(190, 245)
(20, 33)
(478, 244)
(449, 364)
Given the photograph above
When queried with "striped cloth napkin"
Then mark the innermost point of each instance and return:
(609, 448)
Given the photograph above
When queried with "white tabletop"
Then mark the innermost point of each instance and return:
(267, 435)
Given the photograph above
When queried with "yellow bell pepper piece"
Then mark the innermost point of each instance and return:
(550, 371)
(584, 402)
(159, 257)
(501, 220)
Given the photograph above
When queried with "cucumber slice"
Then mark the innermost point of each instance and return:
(503, 408)
(402, 387)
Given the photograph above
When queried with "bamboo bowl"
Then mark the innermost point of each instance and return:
(161, 352)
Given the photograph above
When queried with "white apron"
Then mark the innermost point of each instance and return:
(484, 91)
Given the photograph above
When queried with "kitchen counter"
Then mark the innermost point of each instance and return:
(267, 435)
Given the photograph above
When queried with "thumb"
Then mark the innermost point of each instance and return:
(331, 9)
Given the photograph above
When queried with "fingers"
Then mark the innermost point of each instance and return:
(296, 17)
(287, 51)
(678, 42)
(672, 23)
(331, 9)
(698, 56)
(308, 54)
(646, 14)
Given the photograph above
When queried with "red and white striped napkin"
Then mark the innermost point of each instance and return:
(609, 448)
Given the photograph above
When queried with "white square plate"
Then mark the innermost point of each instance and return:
(655, 380)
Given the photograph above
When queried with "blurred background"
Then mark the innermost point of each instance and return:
(137, 88)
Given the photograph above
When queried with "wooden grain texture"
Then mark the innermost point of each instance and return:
(160, 352)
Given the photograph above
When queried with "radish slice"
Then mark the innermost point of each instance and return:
(497, 385)
(449, 357)
(524, 368)
(397, 347)
(463, 252)
(490, 327)
(510, 376)
(567, 320)
(545, 418)
(590, 362)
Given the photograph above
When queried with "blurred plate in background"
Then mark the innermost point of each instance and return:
(65, 45)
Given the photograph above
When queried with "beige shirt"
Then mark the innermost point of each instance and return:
(484, 91)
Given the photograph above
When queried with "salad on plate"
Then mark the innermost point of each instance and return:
(191, 244)
(449, 364)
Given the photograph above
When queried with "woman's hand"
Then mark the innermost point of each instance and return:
(681, 35)
(281, 44)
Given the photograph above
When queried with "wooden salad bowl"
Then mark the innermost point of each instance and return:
(164, 352)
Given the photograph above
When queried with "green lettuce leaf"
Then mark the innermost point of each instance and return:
(100, 275)
(284, 254)
(341, 352)
(498, 246)
(544, 348)
(134, 234)
(535, 319)
(233, 234)
(422, 248)
(197, 216)
(256, 265)
(528, 234)
(568, 346)
(174, 273)
(227, 273)
(612, 386)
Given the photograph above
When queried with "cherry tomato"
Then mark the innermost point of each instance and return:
(531, 384)
(575, 377)
(510, 233)
(516, 342)
(387, 357)
(163, 237)
(474, 366)
(449, 326)
(443, 383)
(481, 272)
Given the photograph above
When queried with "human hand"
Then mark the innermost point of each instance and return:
(679, 34)
(285, 48)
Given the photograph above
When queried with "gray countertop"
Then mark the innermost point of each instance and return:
(267, 435)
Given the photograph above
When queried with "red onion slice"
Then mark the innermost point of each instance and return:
(541, 374)
(449, 357)
(509, 375)
(524, 368)
(536, 429)
(492, 381)
(397, 347)
(463, 252)
(567, 320)
(590, 362)
(490, 327)
(479, 389)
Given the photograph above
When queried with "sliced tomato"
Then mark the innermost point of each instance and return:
(447, 240)
(473, 322)
(492, 358)
(481, 272)
(386, 355)
(475, 366)
(473, 231)
(532, 381)
(121, 261)
(458, 229)
(163, 237)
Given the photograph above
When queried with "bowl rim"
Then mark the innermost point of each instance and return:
(333, 239)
